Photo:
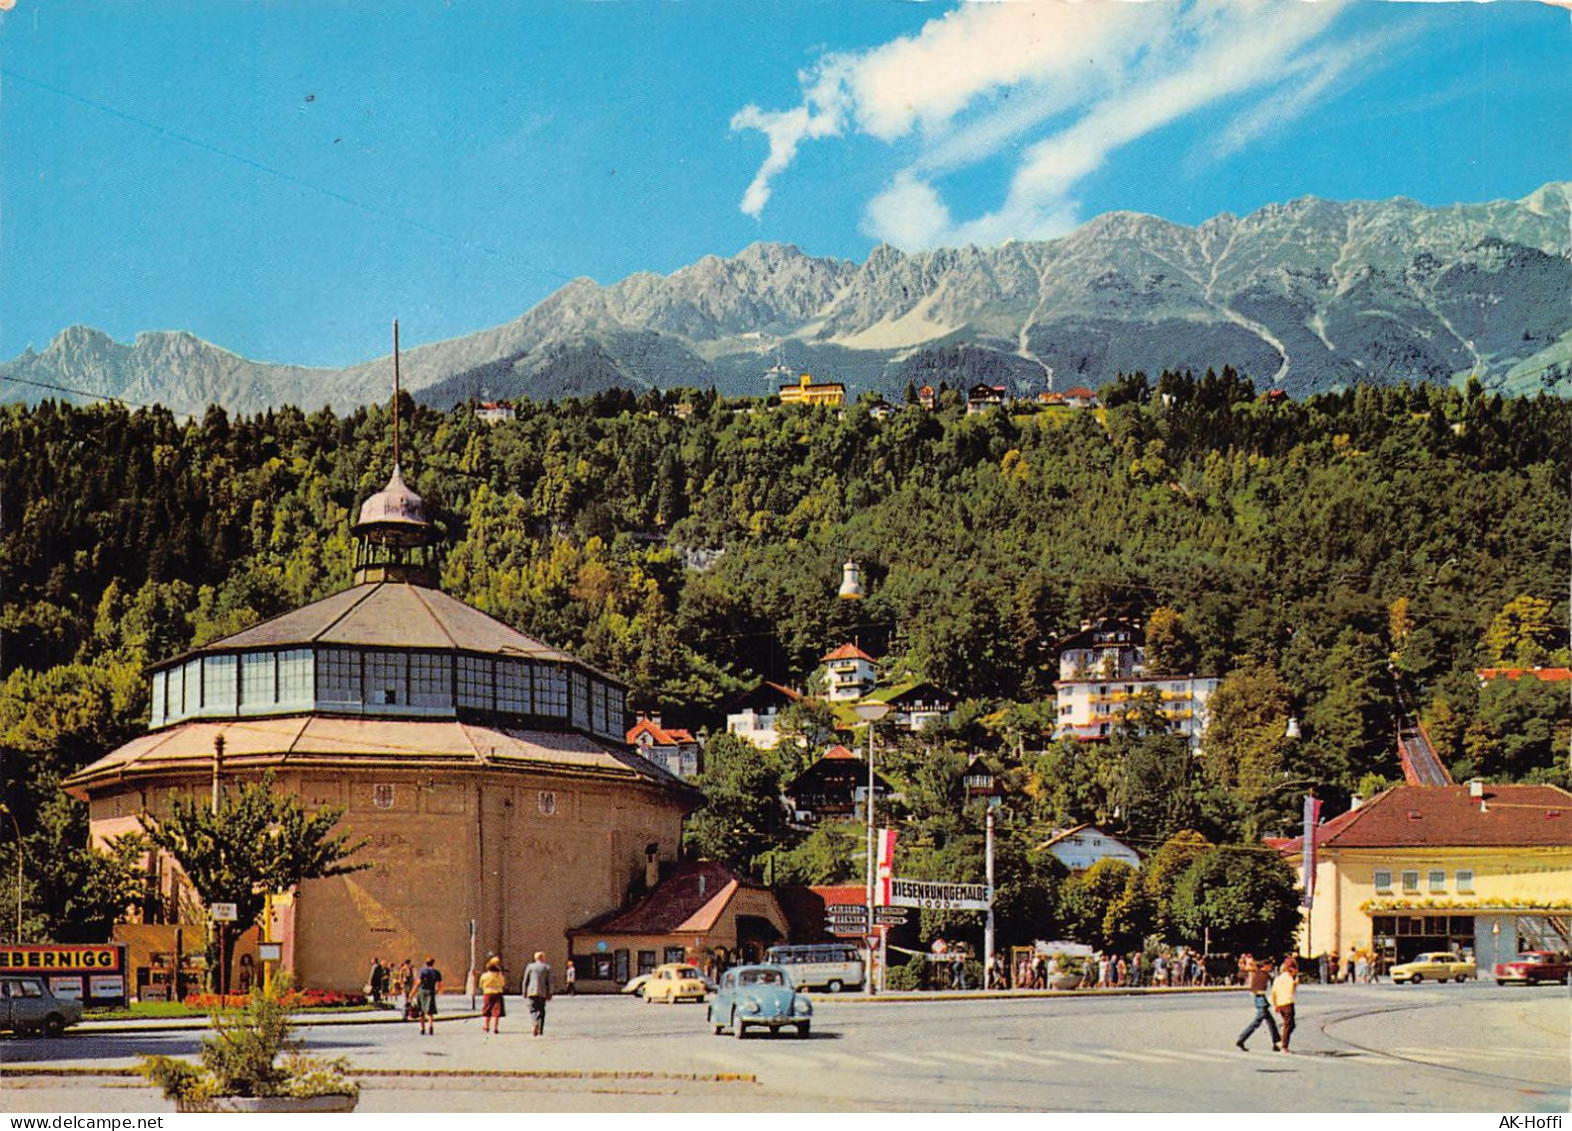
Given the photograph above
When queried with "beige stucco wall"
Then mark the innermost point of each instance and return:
(1507, 877)
(455, 846)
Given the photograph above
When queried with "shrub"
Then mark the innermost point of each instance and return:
(241, 1057)
(907, 976)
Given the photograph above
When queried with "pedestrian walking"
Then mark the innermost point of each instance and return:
(537, 987)
(1257, 980)
(428, 984)
(570, 979)
(493, 984)
(1284, 987)
(377, 981)
(404, 987)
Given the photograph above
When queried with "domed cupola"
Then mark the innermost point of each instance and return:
(394, 540)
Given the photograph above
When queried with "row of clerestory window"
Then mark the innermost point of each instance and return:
(385, 681)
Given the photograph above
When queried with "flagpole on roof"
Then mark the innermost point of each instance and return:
(395, 393)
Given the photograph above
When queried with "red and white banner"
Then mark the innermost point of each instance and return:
(1307, 863)
(886, 849)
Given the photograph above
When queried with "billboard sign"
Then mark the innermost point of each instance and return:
(940, 896)
(73, 967)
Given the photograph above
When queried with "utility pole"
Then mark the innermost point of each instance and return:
(6, 809)
(988, 923)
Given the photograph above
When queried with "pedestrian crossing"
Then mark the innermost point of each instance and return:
(763, 1055)
(1486, 1056)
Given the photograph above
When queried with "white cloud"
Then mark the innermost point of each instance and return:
(1061, 85)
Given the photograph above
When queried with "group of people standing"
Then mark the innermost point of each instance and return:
(1181, 967)
(418, 990)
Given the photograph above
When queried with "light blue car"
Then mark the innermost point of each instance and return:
(759, 997)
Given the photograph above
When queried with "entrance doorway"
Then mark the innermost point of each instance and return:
(1400, 938)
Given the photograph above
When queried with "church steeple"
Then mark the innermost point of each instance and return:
(394, 540)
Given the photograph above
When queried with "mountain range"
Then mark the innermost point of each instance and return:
(1305, 296)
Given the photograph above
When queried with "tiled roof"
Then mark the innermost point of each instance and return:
(841, 895)
(337, 743)
(1445, 816)
(663, 736)
(848, 652)
(839, 752)
(691, 899)
(389, 614)
(1546, 675)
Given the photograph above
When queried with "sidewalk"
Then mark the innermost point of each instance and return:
(456, 1007)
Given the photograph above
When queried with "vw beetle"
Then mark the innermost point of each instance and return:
(759, 997)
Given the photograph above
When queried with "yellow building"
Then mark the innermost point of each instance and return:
(1481, 869)
(805, 391)
(487, 773)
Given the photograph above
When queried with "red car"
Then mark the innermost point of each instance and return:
(1535, 966)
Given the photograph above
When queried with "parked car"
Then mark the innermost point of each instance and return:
(759, 997)
(636, 985)
(27, 1005)
(674, 982)
(1440, 965)
(1535, 966)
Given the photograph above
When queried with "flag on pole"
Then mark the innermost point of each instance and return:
(1307, 863)
(886, 847)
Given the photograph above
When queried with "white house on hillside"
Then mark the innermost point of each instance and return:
(1084, 845)
(1102, 675)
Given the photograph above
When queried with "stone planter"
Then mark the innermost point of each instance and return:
(270, 1105)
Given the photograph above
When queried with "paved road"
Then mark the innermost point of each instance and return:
(1476, 1047)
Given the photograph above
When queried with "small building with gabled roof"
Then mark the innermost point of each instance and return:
(1081, 846)
(752, 715)
(672, 747)
(701, 913)
(850, 673)
(833, 787)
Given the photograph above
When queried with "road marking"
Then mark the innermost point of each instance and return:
(903, 1058)
(1035, 1059)
(1201, 1057)
(1129, 1054)
(1084, 1058)
(1172, 1056)
(964, 1058)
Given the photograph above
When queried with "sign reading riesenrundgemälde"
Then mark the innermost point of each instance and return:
(940, 896)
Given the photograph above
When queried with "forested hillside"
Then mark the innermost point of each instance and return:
(1316, 554)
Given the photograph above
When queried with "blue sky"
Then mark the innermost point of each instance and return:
(283, 179)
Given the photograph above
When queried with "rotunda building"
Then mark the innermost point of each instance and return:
(486, 771)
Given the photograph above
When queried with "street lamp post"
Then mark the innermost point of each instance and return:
(870, 713)
(6, 809)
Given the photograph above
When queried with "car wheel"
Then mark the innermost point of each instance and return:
(54, 1025)
(1415, 979)
(1461, 978)
(835, 987)
(802, 1031)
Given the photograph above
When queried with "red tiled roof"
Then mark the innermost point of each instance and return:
(1080, 391)
(1445, 816)
(839, 752)
(690, 897)
(1545, 675)
(841, 895)
(662, 735)
(848, 652)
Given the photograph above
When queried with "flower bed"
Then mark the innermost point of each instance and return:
(294, 999)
